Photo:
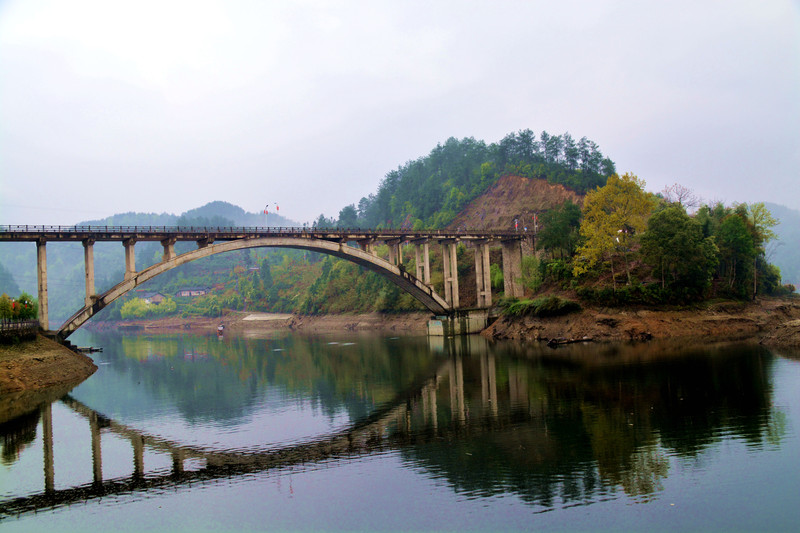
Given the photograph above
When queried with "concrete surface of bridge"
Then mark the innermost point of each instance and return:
(355, 245)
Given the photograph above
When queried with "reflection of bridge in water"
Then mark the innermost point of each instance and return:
(388, 428)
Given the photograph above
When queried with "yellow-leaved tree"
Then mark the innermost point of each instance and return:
(613, 215)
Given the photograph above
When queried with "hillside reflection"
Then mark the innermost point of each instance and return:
(564, 426)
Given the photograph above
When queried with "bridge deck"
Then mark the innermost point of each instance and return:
(17, 233)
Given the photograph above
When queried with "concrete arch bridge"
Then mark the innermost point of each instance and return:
(355, 245)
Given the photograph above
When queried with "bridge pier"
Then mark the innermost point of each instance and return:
(512, 269)
(88, 262)
(423, 262)
(130, 258)
(367, 245)
(483, 277)
(395, 252)
(169, 249)
(41, 281)
(450, 261)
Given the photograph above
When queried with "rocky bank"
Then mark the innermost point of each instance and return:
(769, 321)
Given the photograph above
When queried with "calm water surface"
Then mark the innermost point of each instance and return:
(296, 433)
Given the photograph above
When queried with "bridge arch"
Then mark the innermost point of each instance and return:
(423, 293)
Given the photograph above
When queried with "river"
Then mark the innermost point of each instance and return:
(287, 432)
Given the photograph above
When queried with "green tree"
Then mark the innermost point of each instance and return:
(737, 254)
(613, 216)
(26, 307)
(165, 308)
(560, 228)
(762, 222)
(348, 217)
(134, 308)
(5, 307)
(681, 257)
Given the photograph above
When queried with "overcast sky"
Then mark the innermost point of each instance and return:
(163, 106)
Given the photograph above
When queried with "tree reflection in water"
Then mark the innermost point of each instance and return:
(567, 426)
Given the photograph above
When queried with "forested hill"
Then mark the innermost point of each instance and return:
(430, 191)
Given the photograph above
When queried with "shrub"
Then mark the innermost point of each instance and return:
(546, 306)
(531, 273)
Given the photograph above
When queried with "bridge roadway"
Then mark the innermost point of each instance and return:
(353, 244)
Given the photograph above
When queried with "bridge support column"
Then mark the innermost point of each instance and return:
(88, 261)
(395, 253)
(483, 275)
(512, 269)
(423, 262)
(169, 249)
(367, 245)
(130, 258)
(41, 280)
(450, 260)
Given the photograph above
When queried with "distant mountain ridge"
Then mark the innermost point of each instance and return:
(215, 213)
(785, 253)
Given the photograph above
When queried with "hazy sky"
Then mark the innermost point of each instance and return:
(162, 106)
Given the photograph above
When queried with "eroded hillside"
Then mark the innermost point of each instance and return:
(513, 197)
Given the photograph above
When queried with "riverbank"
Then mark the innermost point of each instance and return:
(772, 321)
(252, 324)
(36, 372)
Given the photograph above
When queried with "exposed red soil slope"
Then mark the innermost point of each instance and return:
(513, 197)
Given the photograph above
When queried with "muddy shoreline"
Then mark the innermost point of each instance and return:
(244, 323)
(37, 372)
(773, 322)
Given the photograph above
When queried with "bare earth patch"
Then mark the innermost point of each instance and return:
(770, 321)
